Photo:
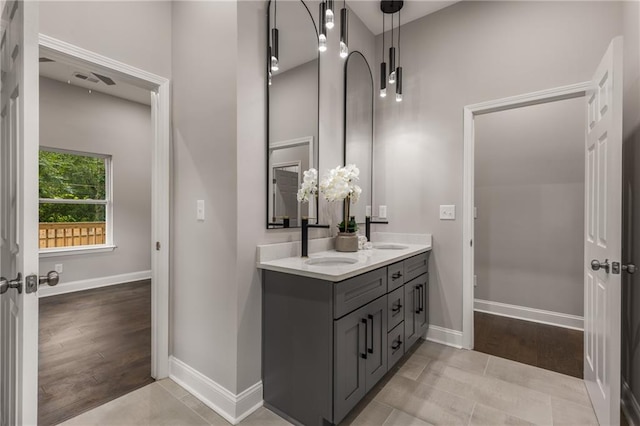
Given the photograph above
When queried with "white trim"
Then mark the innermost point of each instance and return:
(541, 316)
(160, 179)
(630, 406)
(470, 111)
(445, 336)
(76, 250)
(234, 408)
(73, 286)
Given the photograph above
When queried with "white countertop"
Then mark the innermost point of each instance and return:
(367, 260)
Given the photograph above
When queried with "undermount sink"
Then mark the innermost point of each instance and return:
(331, 261)
(389, 246)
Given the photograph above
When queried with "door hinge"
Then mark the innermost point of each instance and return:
(157, 245)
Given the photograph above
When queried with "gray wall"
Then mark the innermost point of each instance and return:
(73, 119)
(631, 196)
(467, 53)
(529, 177)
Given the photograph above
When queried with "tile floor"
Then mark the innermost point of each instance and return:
(432, 385)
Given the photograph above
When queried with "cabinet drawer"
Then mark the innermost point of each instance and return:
(395, 307)
(395, 345)
(350, 294)
(416, 266)
(395, 275)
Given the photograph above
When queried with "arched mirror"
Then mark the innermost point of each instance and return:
(293, 65)
(358, 128)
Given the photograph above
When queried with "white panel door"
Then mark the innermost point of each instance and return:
(603, 229)
(18, 212)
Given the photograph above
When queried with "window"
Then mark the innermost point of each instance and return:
(75, 200)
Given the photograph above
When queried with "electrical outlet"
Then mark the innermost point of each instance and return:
(382, 212)
(58, 268)
(448, 212)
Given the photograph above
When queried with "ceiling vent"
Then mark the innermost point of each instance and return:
(85, 77)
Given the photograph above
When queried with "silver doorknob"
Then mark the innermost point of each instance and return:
(630, 268)
(52, 278)
(6, 284)
(596, 265)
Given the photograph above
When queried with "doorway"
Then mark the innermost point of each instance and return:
(119, 321)
(528, 234)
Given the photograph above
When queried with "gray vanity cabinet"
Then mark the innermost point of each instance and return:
(326, 344)
(416, 315)
(360, 354)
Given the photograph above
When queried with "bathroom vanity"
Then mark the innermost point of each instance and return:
(335, 324)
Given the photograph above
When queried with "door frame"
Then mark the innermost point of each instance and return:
(160, 180)
(468, 227)
(300, 174)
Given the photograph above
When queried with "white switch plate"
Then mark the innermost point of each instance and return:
(448, 212)
(58, 268)
(382, 212)
(367, 211)
(200, 210)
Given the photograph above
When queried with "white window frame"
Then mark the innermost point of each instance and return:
(107, 202)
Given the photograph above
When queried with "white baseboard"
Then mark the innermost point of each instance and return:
(445, 336)
(557, 319)
(630, 406)
(73, 286)
(234, 408)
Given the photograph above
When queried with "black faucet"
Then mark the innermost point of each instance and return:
(367, 226)
(305, 234)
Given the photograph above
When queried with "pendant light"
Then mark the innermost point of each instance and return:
(392, 58)
(399, 69)
(269, 75)
(383, 67)
(344, 30)
(322, 35)
(328, 15)
(274, 39)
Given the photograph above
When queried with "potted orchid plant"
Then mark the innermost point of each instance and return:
(337, 184)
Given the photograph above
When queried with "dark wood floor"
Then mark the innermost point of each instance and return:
(95, 346)
(552, 348)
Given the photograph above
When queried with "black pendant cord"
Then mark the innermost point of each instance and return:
(398, 38)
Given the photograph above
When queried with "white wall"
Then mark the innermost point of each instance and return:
(73, 119)
(529, 192)
(467, 53)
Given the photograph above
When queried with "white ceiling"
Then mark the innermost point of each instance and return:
(64, 72)
(369, 11)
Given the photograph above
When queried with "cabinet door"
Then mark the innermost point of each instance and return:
(350, 357)
(422, 311)
(410, 311)
(376, 341)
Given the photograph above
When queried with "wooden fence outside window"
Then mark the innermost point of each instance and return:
(72, 234)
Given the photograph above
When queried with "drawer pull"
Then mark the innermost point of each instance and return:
(370, 349)
(363, 354)
(396, 345)
(396, 308)
(396, 276)
(417, 310)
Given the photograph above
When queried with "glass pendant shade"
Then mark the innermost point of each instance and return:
(392, 65)
(274, 50)
(344, 33)
(399, 84)
(322, 36)
(383, 79)
(329, 20)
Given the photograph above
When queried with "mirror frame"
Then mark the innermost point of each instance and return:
(344, 115)
(315, 144)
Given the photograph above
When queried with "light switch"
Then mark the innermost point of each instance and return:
(200, 210)
(58, 268)
(367, 211)
(448, 212)
(382, 212)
